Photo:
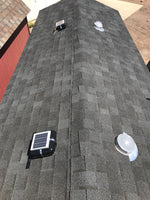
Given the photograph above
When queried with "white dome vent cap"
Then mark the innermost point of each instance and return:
(98, 26)
(126, 145)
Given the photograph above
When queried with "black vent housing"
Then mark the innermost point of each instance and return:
(39, 153)
(60, 25)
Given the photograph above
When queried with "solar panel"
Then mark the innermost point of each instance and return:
(60, 23)
(40, 140)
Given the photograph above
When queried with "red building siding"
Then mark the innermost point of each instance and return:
(9, 60)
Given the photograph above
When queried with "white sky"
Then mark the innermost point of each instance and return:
(36, 5)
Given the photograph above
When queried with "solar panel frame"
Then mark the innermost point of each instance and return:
(38, 142)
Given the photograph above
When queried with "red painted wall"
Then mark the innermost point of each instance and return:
(9, 60)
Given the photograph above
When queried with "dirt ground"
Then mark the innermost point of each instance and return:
(138, 26)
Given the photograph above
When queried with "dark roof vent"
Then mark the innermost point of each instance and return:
(60, 25)
(42, 144)
(125, 144)
(99, 26)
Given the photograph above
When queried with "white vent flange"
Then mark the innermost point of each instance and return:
(126, 145)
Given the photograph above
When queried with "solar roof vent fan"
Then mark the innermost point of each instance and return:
(60, 25)
(42, 144)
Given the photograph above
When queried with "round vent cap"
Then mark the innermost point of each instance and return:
(126, 142)
(126, 145)
(99, 26)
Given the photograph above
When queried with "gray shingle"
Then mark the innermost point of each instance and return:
(83, 180)
(78, 194)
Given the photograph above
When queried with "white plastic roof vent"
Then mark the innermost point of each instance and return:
(125, 144)
(99, 26)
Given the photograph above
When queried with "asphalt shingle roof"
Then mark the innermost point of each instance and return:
(89, 86)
